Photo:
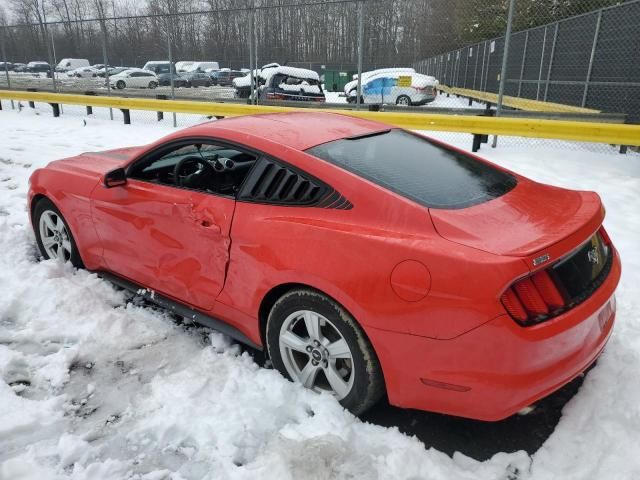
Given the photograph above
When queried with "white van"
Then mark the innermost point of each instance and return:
(158, 66)
(201, 67)
(184, 66)
(68, 64)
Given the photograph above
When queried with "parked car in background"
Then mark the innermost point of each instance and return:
(388, 88)
(83, 72)
(159, 66)
(243, 84)
(351, 87)
(225, 78)
(203, 67)
(164, 80)
(112, 71)
(8, 66)
(289, 83)
(197, 79)
(39, 67)
(68, 64)
(134, 78)
(19, 67)
(183, 66)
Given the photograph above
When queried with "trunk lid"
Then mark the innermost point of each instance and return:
(530, 218)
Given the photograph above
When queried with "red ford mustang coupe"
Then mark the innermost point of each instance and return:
(366, 259)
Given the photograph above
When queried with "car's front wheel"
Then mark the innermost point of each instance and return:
(153, 85)
(120, 84)
(53, 235)
(313, 341)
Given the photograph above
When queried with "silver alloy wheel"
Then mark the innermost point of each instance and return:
(315, 353)
(403, 100)
(54, 236)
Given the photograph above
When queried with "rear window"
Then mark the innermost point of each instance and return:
(418, 169)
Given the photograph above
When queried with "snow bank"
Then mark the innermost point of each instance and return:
(95, 387)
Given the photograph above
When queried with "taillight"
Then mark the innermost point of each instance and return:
(533, 299)
(538, 297)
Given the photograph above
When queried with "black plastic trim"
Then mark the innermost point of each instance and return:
(179, 308)
(273, 182)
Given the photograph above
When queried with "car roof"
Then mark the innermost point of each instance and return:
(298, 130)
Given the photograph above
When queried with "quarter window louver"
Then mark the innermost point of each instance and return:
(273, 182)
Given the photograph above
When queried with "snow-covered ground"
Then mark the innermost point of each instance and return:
(93, 387)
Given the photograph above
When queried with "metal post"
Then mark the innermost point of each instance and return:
(475, 70)
(171, 70)
(484, 51)
(524, 57)
(593, 54)
(360, 51)
(4, 58)
(553, 52)
(52, 61)
(544, 44)
(505, 56)
(107, 76)
(255, 44)
(252, 84)
(486, 73)
(466, 66)
(503, 70)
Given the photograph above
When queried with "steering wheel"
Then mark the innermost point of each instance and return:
(200, 178)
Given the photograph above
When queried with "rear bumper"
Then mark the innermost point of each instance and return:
(500, 367)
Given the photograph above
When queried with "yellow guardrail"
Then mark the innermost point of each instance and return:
(615, 134)
(519, 103)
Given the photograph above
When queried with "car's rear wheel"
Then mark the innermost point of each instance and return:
(313, 341)
(153, 85)
(403, 100)
(53, 234)
(120, 84)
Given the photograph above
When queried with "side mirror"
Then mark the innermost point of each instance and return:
(115, 178)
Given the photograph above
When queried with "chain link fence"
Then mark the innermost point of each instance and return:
(574, 59)
(584, 63)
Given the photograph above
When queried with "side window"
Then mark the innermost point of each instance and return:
(206, 167)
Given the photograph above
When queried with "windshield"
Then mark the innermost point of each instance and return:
(418, 168)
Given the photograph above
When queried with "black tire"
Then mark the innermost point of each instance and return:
(403, 100)
(368, 384)
(42, 206)
(120, 84)
(153, 85)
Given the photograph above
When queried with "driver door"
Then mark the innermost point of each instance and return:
(162, 236)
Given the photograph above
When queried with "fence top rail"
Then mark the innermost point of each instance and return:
(610, 133)
(517, 102)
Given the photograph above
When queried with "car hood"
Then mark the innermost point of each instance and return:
(526, 220)
(97, 163)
